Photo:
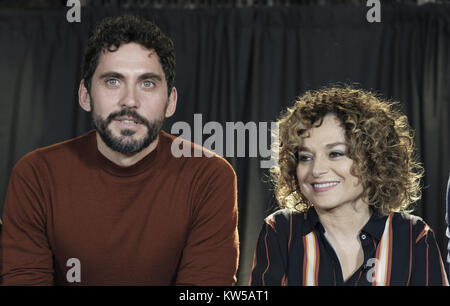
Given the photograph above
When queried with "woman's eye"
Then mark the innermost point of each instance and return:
(335, 154)
(147, 84)
(304, 158)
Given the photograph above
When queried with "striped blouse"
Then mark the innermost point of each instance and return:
(447, 219)
(399, 249)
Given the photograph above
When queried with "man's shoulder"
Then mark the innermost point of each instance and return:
(58, 153)
(195, 157)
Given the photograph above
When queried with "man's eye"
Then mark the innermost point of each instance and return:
(147, 84)
(112, 82)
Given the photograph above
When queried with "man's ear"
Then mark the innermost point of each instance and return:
(172, 103)
(84, 99)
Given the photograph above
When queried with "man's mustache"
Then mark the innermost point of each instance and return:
(128, 113)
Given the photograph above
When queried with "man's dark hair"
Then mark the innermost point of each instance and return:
(111, 32)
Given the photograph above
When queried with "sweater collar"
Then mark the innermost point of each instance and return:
(141, 166)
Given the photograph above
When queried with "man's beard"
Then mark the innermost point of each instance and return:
(125, 144)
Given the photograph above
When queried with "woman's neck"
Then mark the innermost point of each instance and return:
(345, 222)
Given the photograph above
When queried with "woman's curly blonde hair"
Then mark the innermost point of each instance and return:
(379, 139)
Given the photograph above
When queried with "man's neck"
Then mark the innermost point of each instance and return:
(124, 160)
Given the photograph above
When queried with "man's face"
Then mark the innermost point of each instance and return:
(128, 98)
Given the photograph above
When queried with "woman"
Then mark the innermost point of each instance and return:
(345, 179)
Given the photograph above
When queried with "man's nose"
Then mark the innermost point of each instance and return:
(130, 98)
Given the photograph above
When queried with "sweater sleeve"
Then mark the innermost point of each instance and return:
(25, 255)
(210, 255)
(428, 267)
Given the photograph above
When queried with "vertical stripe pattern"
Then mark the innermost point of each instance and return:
(311, 260)
(267, 256)
(443, 273)
(284, 280)
(293, 249)
(384, 256)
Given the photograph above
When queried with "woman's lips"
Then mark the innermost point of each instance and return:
(324, 186)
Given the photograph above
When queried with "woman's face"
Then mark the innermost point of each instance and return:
(323, 169)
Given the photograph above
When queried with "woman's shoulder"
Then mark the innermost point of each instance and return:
(285, 218)
(407, 218)
(285, 214)
(409, 221)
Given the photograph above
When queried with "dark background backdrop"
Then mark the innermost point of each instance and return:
(238, 61)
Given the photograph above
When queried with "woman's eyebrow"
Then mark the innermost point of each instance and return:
(330, 145)
(304, 149)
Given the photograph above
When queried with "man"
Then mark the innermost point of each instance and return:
(114, 206)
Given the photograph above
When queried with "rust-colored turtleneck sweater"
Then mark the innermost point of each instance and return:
(72, 216)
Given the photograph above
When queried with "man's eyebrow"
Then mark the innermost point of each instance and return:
(117, 75)
(111, 74)
(150, 75)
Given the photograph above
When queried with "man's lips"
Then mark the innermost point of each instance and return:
(128, 119)
(324, 185)
(127, 122)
